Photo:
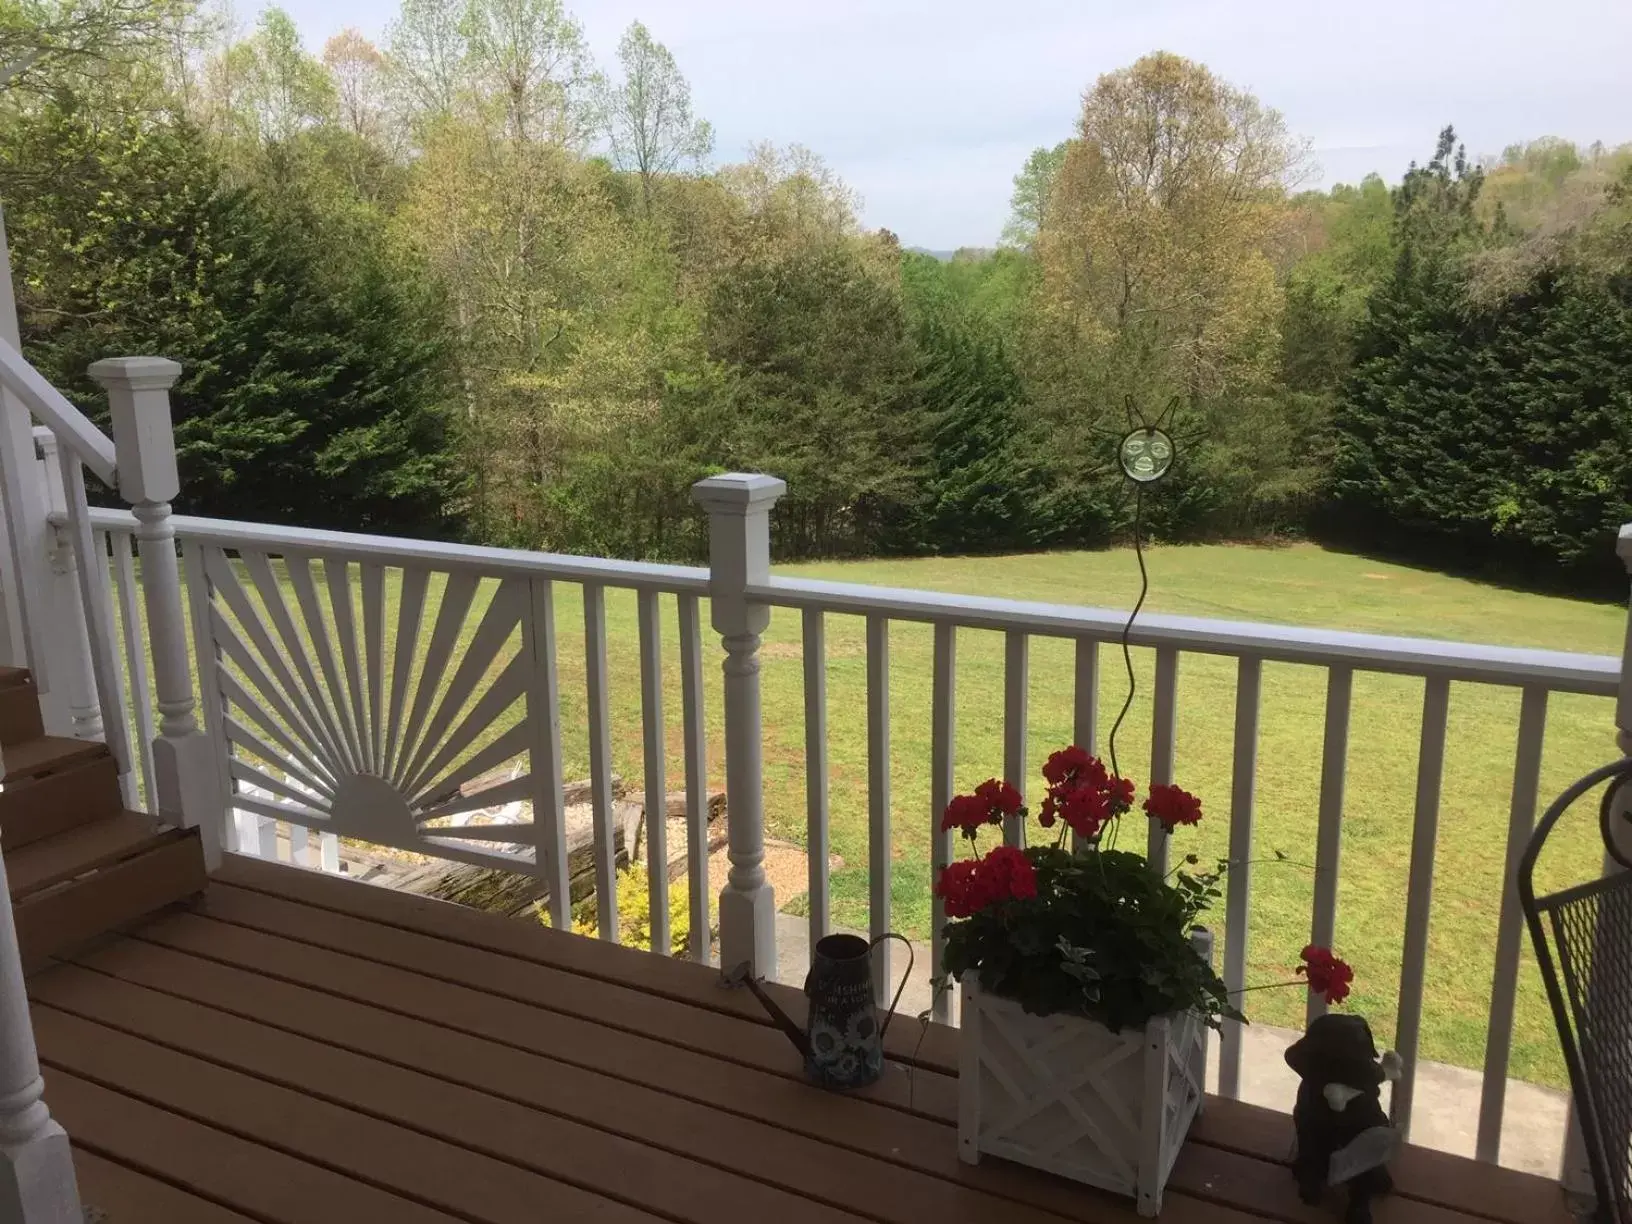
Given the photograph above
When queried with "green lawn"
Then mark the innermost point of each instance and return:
(1301, 584)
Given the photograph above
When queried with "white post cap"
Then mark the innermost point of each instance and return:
(738, 492)
(143, 439)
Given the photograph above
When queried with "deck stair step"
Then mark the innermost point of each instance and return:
(78, 865)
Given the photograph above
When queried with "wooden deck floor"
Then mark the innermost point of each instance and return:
(298, 1049)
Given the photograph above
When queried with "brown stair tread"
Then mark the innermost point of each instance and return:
(10, 676)
(78, 850)
(48, 752)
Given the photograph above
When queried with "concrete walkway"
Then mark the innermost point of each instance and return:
(1446, 1115)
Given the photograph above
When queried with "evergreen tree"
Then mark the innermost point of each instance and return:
(307, 397)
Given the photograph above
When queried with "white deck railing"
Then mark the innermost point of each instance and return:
(327, 657)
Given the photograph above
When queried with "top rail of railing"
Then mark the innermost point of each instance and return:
(1556, 670)
(73, 428)
(394, 550)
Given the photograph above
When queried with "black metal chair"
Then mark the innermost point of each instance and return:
(1583, 940)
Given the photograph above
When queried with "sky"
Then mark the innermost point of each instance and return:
(929, 107)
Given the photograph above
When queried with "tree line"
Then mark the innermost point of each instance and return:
(467, 283)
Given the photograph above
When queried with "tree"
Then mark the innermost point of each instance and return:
(1028, 206)
(1153, 250)
(128, 238)
(269, 88)
(357, 69)
(48, 44)
(427, 47)
(527, 63)
(652, 129)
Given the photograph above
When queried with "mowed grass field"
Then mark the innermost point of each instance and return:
(1299, 585)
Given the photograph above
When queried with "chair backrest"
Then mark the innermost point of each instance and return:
(1583, 941)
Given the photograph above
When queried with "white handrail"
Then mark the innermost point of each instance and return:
(395, 550)
(73, 428)
(1561, 671)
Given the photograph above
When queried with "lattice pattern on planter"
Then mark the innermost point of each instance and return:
(1067, 1095)
(365, 702)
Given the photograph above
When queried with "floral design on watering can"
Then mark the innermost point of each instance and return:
(843, 1045)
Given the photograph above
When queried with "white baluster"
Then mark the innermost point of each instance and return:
(600, 760)
(544, 750)
(816, 796)
(1334, 763)
(943, 761)
(739, 549)
(1238, 900)
(36, 1168)
(879, 840)
(1163, 731)
(185, 778)
(1420, 894)
(1016, 681)
(72, 637)
(654, 759)
(1510, 926)
(696, 737)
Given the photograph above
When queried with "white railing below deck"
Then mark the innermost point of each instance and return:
(1537, 673)
(359, 694)
(357, 686)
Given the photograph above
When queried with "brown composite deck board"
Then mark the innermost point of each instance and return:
(1490, 1192)
(1253, 1188)
(78, 850)
(594, 999)
(683, 980)
(413, 1165)
(264, 1184)
(598, 1160)
(37, 808)
(338, 1015)
(141, 1199)
(853, 1180)
(927, 1092)
(47, 753)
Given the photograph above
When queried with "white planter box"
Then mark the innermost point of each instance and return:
(1066, 1094)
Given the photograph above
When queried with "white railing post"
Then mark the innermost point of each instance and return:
(36, 1168)
(23, 611)
(739, 554)
(72, 635)
(139, 400)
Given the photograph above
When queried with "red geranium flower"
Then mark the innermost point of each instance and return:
(1000, 797)
(992, 801)
(1083, 806)
(1328, 976)
(957, 888)
(968, 886)
(1173, 806)
(1070, 763)
(1007, 875)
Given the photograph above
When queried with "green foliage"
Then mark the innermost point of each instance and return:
(1496, 426)
(635, 914)
(1105, 937)
(127, 239)
(406, 275)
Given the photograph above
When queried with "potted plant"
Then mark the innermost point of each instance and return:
(1088, 985)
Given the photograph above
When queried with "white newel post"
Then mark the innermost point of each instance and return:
(144, 441)
(739, 554)
(67, 605)
(36, 1168)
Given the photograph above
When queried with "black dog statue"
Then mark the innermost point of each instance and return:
(1344, 1137)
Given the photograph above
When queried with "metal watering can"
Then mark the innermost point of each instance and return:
(843, 1044)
